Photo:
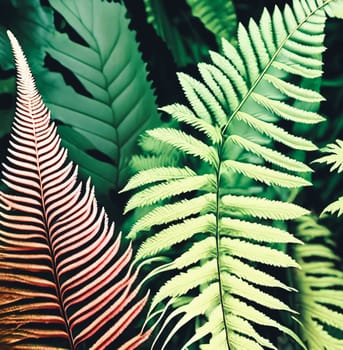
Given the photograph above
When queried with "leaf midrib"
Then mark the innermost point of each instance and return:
(47, 229)
(238, 108)
(271, 61)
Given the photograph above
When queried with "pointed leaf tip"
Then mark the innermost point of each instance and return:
(9, 34)
(12, 38)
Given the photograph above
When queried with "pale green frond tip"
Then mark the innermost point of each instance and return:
(335, 159)
(335, 8)
(336, 206)
(334, 156)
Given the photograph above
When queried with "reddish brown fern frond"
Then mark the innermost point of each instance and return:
(63, 283)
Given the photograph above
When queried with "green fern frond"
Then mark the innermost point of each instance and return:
(175, 234)
(156, 154)
(172, 212)
(251, 274)
(202, 100)
(263, 174)
(256, 232)
(270, 155)
(150, 176)
(287, 112)
(294, 91)
(242, 206)
(140, 162)
(336, 206)
(227, 136)
(183, 114)
(320, 281)
(186, 143)
(159, 192)
(217, 15)
(335, 156)
(276, 133)
(335, 9)
(257, 253)
(114, 102)
(335, 159)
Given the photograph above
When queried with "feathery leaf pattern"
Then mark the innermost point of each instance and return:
(64, 279)
(218, 16)
(236, 114)
(334, 158)
(319, 301)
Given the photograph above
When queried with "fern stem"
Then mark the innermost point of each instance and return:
(53, 261)
(264, 71)
(221, 294)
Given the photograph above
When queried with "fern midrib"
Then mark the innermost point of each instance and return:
(218, 251)
(102, 65)
(233, 115)
(271, 61)
(47, 229)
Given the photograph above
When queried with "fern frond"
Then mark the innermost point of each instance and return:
(172, 212)
(183, 114)
(257, 253)
(335, 159)
(263, 174)
(159, 192)
(236, 113)
(150, 176)
(335, 156)
(251, 274)
(335, 207)
(294, 91)
(175, 234)
(201, 99)
(262, 208)
(276, 133)
(287, 112)
(256, 232)
(58, 251)
(270, 155)
(319, 282)
(218, 16)
(184, 142)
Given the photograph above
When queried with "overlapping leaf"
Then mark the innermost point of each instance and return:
(334, 158)
(182, 39)
(242, 106)
(320, 281)
(65, 282)
(218, 16)
(99, 129)
(111, 69)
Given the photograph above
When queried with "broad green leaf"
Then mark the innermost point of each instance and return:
(111, 69)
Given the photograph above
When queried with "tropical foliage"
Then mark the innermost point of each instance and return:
(215, 216)
(60, 267)
(319, 299)
(335, 159)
